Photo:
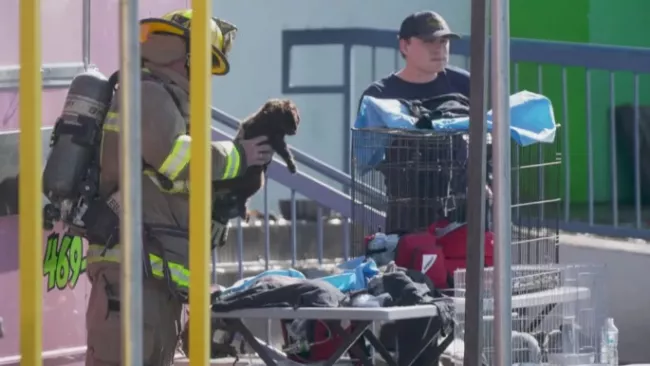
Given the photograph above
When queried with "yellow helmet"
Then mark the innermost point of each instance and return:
(179, 23)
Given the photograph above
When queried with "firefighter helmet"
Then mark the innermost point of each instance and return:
(179, 23)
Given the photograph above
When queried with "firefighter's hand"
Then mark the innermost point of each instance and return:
(257, 150)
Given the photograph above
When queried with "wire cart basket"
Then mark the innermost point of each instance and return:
(558, 314)
(405, 180)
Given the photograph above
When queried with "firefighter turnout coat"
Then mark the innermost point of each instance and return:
(166, 156)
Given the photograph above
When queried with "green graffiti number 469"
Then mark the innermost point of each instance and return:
(64, 261)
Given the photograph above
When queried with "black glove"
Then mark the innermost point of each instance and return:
(226, 207)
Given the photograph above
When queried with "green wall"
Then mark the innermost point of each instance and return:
(555, 20)
(585, 21)
(626, 24)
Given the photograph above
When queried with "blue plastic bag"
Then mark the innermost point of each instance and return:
(531, 121)
(357, 273)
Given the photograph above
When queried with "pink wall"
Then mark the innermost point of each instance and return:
(61, 41)
(63, 311)
(104, 50)
(51, 107)
(60, 31)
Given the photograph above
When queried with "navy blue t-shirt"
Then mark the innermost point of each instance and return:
(451, 80)
(406, 183)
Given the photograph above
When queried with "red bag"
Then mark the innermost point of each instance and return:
(420, 252)
(454, 245)
(323, 343)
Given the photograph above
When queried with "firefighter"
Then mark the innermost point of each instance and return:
(165, 196)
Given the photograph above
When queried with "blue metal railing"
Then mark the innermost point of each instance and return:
(300, 183)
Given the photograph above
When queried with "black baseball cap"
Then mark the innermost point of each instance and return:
(425, 25)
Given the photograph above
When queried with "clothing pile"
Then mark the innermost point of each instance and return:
(309, 341)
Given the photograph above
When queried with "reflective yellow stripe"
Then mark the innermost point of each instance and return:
(111, 122)
(180, 274)
(175, 162)
(178, 159)
(111, 128)
(178, 186)
(232, 160)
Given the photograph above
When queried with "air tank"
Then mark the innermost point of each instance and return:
(76, 139)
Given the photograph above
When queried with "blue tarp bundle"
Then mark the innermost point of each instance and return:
(355, 276)
(531, 121)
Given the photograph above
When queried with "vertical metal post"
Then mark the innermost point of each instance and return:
(637, 154)
(501, 155)
(130, 185)
(30, 194)
(349, 106)
(476, 186)
(85, 37)
(200, 180)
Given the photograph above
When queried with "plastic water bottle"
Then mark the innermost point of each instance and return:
(609, 344)
(568, 331)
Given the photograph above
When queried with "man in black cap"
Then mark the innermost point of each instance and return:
(424, 44)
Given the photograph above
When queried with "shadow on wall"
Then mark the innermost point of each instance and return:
(9, 159)
(9, 173)
(9, 196)
(10, 106)
(9, 184)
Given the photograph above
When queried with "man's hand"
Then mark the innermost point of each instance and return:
(257, 151)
